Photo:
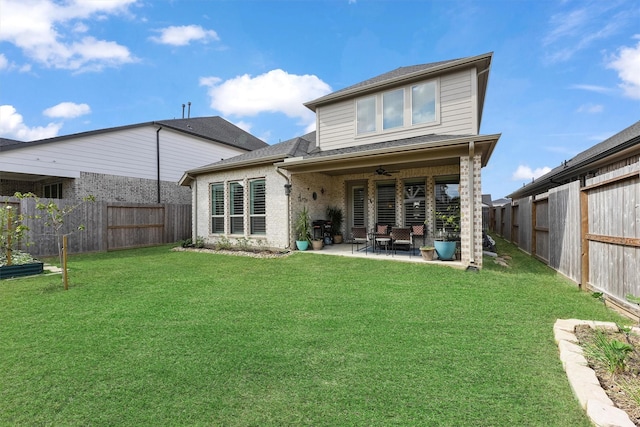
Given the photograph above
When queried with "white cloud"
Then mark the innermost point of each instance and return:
(571, 31)
(524, 172)
(12, 126)
(591, 88)
(590, 108)
(275, 92)
(627, 63)
(183, 35)
(67, 110)
(3, 62)
(53, 34)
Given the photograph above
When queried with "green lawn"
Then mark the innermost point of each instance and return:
(155, 337)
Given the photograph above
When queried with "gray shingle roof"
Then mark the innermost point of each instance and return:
(571, 169)
(7, 141)
(398, 72)
(397, 75)
(215, 128)
(295, 147)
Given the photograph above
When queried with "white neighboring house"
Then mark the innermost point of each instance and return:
(391, 150)
(139, 163)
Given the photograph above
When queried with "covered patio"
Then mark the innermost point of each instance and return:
(346, 249)
(400, 183)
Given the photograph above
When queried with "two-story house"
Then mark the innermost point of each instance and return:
(395, 149)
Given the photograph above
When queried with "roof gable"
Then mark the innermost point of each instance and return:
(403, 75)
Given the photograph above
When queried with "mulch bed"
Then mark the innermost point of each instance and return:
(622, 387)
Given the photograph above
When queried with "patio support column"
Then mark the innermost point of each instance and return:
(471, 204)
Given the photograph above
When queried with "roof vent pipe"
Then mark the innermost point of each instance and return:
(189, 110)
(183, 111)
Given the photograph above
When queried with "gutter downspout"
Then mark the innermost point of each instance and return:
(288, 207)
(158, 159)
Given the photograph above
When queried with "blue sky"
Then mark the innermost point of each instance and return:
(565, 74)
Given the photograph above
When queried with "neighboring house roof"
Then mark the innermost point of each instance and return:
(500, 202)
(6, 141)
(217, 129)
(404, 75)
(583, 163)
(214, 129)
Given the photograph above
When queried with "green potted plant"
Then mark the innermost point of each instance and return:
(335, 216)
(449, 234)
(303, 229)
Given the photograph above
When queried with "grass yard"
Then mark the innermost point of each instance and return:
(155, 337)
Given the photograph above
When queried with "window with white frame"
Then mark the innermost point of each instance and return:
(423, 103)
(366, 115)
(415, 105)
(236, 208)
(393, 109)
(257, 206)
(217, 208)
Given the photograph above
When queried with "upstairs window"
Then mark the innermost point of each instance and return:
(257, 206)
(393, 109)
(366, 115)
(236, 208)
(415, 105)
(423, 103)
(217, 208)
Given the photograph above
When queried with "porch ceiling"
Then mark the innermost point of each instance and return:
(406, 157)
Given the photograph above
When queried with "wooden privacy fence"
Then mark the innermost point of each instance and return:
(589, 233)
(109, 226)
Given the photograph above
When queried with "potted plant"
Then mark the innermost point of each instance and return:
(447, 240)
(427, 252)
(317, 244)
(335, 216)
(303, 229)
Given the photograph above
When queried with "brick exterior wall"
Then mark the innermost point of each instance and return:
(277, 206)
(110, 188)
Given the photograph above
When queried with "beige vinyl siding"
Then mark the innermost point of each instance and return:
(128, 152)
(337, 122)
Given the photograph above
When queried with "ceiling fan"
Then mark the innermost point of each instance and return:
(383, 171)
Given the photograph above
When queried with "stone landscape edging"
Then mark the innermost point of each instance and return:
(584, 383)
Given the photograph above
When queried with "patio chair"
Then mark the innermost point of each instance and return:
(420, 232)
(359, 237)
(401, 236)
(381, 237)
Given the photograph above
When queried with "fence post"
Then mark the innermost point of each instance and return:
(64, 262)
(584, 229)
